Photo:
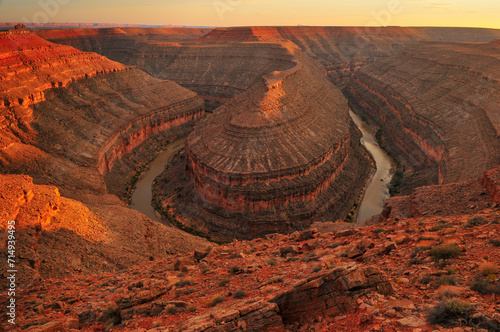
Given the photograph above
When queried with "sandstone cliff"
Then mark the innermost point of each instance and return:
(437, 105)
(67, 117)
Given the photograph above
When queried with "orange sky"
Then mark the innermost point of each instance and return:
(463, 13)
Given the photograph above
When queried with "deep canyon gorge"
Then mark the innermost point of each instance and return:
(257, 150)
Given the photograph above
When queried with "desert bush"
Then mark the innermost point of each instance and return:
(487, 268)
(235, 270)
(271, 261)
(171, 309)
(184, 282)
(496, 243)
(192, 308)
(316, 269)
(426, 279)
(476, 221)
(216, 300)
(239, 294)
(447, 280)
(223, 282)
(445, 251)
(111, 316)
(452, 312)
(484, 286)
(439, 227)
(447, 291)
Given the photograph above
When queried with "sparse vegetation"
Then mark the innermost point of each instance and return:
(316, 269)
(216, 300)
(494, 242)
(111, 316)
(425, 280)
(271, 261)
(445, 251)
(476, 221)
(171, 309)
(447, 280)
(184, 282)
(487, 269)
(192, 308)
(240, 294)
(484, 286)
(451, 313)
(223, 282)
(439, 227)
(235, 270)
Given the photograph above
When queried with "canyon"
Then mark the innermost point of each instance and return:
(272, 167)
(68, 118)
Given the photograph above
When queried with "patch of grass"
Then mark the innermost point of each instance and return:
(171, 309)
(184, 282)
(235, 270)
(272, 261)
(223, 282)
(111, 316)
(476, 221)
(447, 280)
(451, 313)
(425, 280)
(445, 251)
(487, 269)
(416, 250)
(484, 286)
(495, 242)
(239, 294)
(396, 181)
(439, 227)
(216, 300)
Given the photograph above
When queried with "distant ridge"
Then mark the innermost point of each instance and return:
(11, 25)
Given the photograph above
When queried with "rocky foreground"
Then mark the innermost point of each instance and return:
(417, 274)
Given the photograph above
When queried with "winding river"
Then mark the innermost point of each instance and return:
(143, 194)
(377, 190)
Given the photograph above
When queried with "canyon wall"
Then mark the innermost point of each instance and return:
(437, 106)
(66, 118)
(342, 50)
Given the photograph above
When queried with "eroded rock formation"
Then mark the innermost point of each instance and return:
(437, 104)
(66, 118)
(272, 158)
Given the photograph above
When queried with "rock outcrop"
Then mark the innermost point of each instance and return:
(271, 159)
(66, 118)
(386, 276)
(331, 293)
(452, 199)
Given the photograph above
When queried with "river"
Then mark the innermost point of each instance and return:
(372, 203)
(143, 194)
(378, 186)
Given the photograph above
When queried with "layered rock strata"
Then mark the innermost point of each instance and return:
(67, 117)
(271, 159)
(453, 199)
(437, 105)
(342, 50)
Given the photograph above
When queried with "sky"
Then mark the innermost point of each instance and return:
(458, 13)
